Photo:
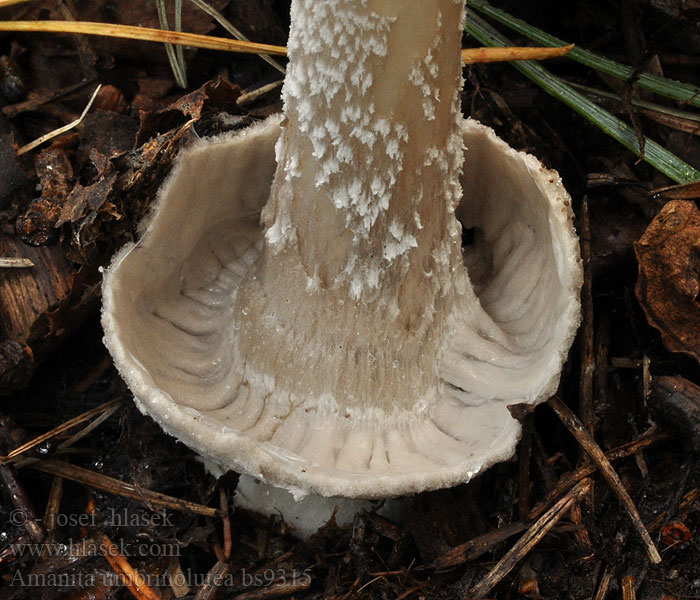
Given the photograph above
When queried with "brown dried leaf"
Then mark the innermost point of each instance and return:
(86, 199)
(669, 275)
(683, 191)
(217, 95)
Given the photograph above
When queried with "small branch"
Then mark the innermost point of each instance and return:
(587, 348)
(628, 590)
(213, 580)
(15, 263)
(252, 96)
(475, 547)
(577, 429)
(228, 544)
(605, 581)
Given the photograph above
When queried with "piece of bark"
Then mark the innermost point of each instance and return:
(668, 287)
(676, 403)
(27, 294)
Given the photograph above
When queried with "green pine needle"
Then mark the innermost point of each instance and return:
(655, 154)
(683, 92)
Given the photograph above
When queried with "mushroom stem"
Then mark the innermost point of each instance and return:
(360, 226)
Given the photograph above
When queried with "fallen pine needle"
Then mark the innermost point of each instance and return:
(109, 407)
(132, 579)
(145, 34)
(196, 40)
(60, 130)
(471, 56)
(532, 536)
(120, 488)
(577, 429)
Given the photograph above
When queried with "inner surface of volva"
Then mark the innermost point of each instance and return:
(324, 333)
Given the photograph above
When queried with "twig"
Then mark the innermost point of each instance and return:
(6, 3)
(213, 580)
(528, 541)
(94, 375)
(79, 435)
(12, 110)
(586, 409)
(135, 582)
(577, 429)
(196, 40)
(279, 590)
(223, 500)
(253, 95)
(15, 263)
(628, 591)
(605, 581)
(60, 130)
(120, 488)
(688, 500)
(475, 547)
(524, 468)
(587, 351)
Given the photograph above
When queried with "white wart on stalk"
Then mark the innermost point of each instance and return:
(345, 348)
(362, 262)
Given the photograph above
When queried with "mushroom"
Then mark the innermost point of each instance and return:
(350, 345)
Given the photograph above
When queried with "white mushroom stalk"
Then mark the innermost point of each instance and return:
(347, 308)
(351, 347)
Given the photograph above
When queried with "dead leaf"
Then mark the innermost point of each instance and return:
(86, 199)
(683, 191)
(219, 95)
(669, 275)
